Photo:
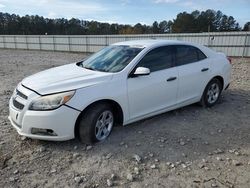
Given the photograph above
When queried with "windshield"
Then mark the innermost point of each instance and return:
(111, 59)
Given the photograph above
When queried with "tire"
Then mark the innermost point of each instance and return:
(96, 124)
(211, 93)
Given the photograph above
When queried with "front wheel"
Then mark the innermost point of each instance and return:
(211, 93)
(96, 124)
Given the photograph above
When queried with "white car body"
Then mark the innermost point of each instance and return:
(138, 98)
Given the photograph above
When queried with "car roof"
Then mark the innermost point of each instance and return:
(149, 43)
(160, 42)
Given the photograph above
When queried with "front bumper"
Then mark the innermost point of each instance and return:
(61, 121)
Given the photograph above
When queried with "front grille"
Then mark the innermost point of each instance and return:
(17, 104)
(19, 93)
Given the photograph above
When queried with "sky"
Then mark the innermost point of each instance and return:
(124, 11)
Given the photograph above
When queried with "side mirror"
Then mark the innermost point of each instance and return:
(141, 71)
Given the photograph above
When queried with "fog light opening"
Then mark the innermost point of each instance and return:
(43, 132)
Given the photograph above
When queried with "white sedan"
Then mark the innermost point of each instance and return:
(120, 84)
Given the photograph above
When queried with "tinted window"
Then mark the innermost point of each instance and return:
(158, 59)
(188, 54)
(201, 55)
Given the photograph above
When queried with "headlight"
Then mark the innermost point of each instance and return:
(51, 102)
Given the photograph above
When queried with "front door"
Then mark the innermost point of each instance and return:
(156, 91)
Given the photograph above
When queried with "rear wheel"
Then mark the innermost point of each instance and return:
(211, 93)
(96, 124)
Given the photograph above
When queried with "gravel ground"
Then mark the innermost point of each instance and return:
(188, 147)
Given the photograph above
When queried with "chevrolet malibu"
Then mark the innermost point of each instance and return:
(120, 84)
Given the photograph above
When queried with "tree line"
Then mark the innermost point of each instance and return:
(194, 22)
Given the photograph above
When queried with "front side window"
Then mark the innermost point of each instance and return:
(157, 59)
(111, 59)
(188, 54)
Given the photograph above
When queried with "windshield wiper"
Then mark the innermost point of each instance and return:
(89, 68)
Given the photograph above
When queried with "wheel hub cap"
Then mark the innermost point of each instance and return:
(213, 93)
(104, 125)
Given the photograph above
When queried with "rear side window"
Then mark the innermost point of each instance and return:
(158, 59)
(188, 54)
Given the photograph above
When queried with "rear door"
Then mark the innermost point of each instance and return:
(194, 72)
(156, 91)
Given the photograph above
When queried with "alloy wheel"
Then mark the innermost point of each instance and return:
(104, 125)
(213, 93)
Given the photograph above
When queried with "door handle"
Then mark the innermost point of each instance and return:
(171, 79)
(204, 69)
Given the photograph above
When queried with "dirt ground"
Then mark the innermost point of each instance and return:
(188, 147)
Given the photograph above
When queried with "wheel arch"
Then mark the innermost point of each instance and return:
(117, 109)
(221, 79)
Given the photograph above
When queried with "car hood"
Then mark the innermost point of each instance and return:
(64, 78)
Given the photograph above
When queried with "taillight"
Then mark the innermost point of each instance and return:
(229, 59)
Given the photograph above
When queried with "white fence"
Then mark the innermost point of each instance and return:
(231, 43)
